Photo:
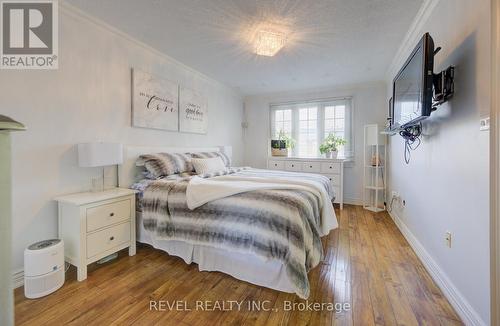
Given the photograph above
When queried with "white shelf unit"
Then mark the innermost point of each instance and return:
(374, 176)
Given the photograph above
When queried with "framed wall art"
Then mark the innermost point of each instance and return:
(155, 102)
(193, 111)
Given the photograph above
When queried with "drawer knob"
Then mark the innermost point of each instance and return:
(310, 166)
(112, 238)
(293, 165)
(330, 167)
(111, 214)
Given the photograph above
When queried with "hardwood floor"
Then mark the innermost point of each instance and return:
(368, 265)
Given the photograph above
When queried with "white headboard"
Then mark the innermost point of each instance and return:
(128, 172)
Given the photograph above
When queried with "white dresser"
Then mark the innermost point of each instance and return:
(331, 168)
(94, 225)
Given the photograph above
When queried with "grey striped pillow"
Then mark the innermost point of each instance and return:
(224, 157)
(165, 164)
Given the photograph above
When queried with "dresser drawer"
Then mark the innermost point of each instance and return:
(108, 214)
(311, 167)
(330, 168)
(293, 166)
(334, 179)
(107, 239)
(276, 165)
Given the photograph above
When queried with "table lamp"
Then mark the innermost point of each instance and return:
(99, 155)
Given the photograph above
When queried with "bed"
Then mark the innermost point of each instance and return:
(267, 266)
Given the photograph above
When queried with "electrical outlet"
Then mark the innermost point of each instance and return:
(395, 194)
(447, 239)
(484, 124)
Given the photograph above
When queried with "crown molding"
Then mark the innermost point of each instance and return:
(411, 38)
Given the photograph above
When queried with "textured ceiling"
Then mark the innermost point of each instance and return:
(329, 42)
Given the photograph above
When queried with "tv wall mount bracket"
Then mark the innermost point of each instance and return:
(444, 85)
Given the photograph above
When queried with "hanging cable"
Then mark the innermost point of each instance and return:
(389, 208)
(411, 135)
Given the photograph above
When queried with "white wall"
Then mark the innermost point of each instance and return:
(370, 106)
(446, 184)
(88, 99)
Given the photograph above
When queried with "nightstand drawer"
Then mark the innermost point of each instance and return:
(107, 239)
(105, 215)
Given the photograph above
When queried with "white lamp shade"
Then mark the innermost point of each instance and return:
(99, 154)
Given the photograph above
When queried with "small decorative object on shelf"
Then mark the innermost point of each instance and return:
(375, 160)
(330, 146)
(280, 146)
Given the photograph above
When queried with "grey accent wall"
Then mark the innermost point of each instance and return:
(446, 184)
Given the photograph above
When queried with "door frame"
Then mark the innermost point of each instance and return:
(495, 164)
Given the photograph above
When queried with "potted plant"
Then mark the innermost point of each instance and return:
(330, 145)
(280, 146)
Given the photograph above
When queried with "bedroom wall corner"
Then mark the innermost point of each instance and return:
(89, 99)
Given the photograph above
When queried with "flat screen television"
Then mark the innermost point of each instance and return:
(412, 86)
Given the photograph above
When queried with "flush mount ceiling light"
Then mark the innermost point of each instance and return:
(268, 42)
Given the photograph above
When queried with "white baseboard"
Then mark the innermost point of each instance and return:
(457, 300)
(18, 279)
(353, 201)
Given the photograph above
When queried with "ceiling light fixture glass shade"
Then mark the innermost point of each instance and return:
(268, 43)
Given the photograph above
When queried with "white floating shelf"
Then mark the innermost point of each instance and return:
(374, 188)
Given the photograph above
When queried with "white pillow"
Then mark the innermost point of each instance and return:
(208, 165)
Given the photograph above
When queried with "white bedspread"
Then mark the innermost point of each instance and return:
(203, 190)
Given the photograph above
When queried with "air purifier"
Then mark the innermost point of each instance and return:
(43, 268)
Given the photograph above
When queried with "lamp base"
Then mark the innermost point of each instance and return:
(97, 184)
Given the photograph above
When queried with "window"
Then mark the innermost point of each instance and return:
(308, 131)
(335, 120)
(283, 122)
(310, 122)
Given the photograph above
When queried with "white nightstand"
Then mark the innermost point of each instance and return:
(94, 225)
